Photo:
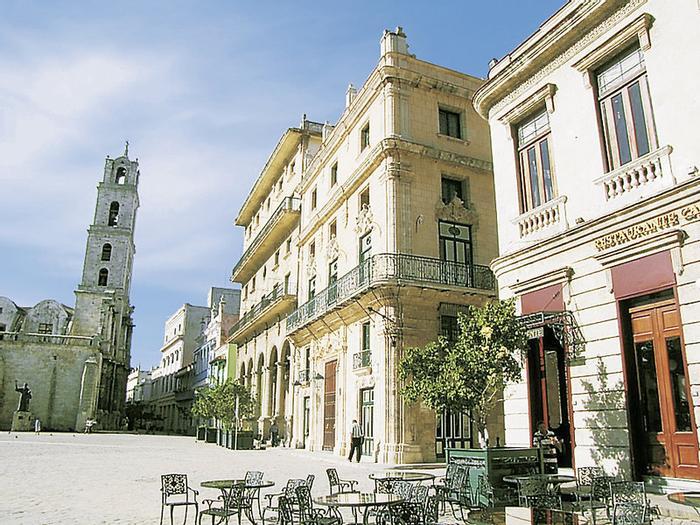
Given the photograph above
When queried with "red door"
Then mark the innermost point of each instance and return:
(669, 437)
(329, 406)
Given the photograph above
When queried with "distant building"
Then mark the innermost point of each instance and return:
(76, 360)
(138, 386)
(192, 334)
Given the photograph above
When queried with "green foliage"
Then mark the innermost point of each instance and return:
(219, 402)
(469, 374)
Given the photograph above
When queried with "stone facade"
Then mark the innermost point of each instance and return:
(76, 360)
(599, 239)
(408, 158)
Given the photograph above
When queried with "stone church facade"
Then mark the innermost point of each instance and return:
(76, 360)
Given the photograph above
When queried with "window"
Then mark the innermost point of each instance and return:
(450, 124)
(45, 328)
(364, 199)
(313, 199)
(625, 109)
(365, 336)
(334, 174)
(267, 204)
(365, 247)
(449, 327)
(113, 214)
(364, 137)
(287, 277)
(106, 252)
(3, 328)
(536, 180)
(450, 189)
(252, 284)
(277, 258)
(120, 177)
(264, 274)
(312, 288)
(291, 167)
(312, 250)
(456, 250)
(103, 276)
(333, 230)
(289, 245)
(245, 292)
(332, 279)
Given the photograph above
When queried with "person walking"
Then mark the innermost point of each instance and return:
(37, 426)
(357, 437)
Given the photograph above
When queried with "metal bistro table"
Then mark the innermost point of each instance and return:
(355, 501)
(385, 479)
(225, 484)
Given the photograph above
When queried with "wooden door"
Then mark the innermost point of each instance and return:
(669, 440)
(329, 406)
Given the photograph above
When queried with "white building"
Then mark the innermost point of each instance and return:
(594, 131)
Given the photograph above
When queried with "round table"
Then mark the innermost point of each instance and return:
(224, 484)
(355, 501)
(401, 475)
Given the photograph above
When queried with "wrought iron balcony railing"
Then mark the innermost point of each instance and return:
(361, 359)
(277, 293)
(288, 205)
(391, 267)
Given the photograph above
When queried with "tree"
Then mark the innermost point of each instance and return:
(219, 402)
(470, 373)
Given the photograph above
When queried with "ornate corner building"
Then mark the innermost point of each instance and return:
(76, 360)
(593, 124)
(364, 238)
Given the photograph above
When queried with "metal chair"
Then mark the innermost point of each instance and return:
(535, 492)
(252, 478)
(631, 499)
(337, 484)
(310, 481)
(175, 492)
(308, 515)
(456, 490)
(232, 503)
(285, 515)
(584, 480)
(288, 492)
(600, 496)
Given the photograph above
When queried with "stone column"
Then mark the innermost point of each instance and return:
(279, 410)
(89, 389)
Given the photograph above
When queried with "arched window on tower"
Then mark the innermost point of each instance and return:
(102, 279)
(113, 214)
(120, 177)
(106, 252)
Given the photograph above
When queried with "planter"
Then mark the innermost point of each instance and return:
(211, 435)
(244, 441)
(201, 433)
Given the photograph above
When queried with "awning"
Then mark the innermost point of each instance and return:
(564, 327)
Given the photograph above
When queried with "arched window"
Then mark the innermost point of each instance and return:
(106, 252)
(102, 279)
(113, 214)
(120, 177)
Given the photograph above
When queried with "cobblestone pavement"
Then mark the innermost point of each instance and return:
(115, 478)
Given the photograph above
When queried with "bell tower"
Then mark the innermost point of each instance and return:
(102, 306)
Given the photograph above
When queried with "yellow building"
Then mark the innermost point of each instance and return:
(392, 235)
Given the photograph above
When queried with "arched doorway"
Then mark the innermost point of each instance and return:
(272, 386)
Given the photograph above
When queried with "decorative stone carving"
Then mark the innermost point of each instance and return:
(456, 211)
(364, 221)
(333, 248)
(311, 267)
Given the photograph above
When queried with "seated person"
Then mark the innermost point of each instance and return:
(550, 444)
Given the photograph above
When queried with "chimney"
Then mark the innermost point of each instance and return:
(394, 42)
(350, 95)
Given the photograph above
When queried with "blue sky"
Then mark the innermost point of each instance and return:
(203, 91)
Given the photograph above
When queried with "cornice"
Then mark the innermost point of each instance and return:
(545, 52)
(386, 149)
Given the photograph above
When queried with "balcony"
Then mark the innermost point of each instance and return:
(361, 359)
(391, 268)
(278, 226)
(276, 303)
(638, 179)
(550, 216)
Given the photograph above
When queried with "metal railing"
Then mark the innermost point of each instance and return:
(288, 205)
(391, 267)
(277, 293)
(361, 359)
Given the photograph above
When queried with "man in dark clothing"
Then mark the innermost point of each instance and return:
(548, 442)
(357, 436)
